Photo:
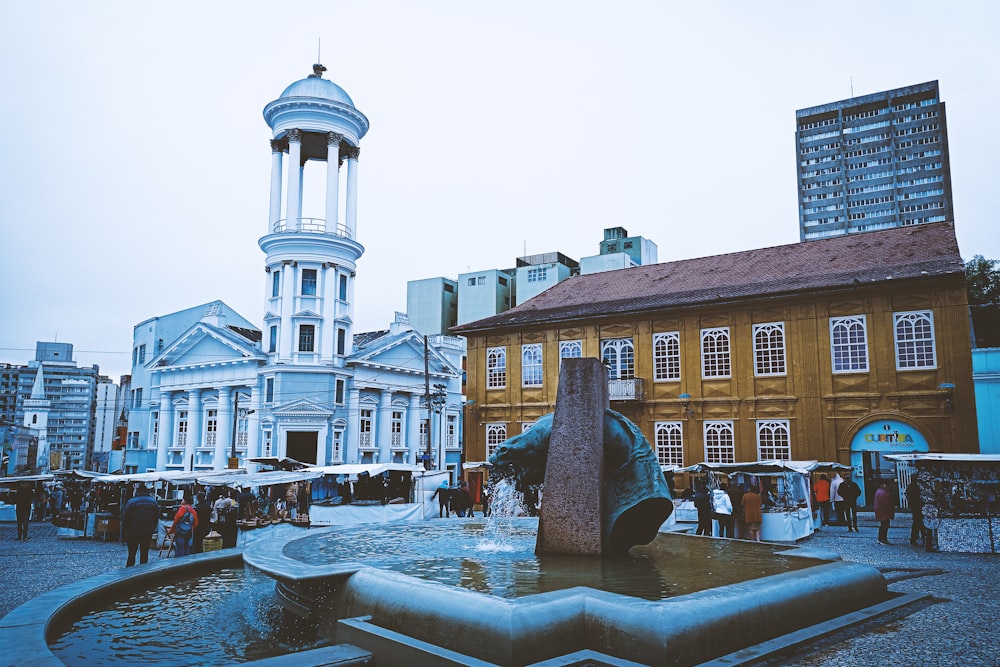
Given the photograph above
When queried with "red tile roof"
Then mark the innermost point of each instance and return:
(903, 253)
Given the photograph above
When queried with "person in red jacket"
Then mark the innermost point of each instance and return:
(751, 513)
(885, 511)
(185, 521)
(822, 490)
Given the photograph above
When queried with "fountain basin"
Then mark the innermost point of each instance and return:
(412, 613)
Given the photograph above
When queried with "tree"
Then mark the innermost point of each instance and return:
(983, 280)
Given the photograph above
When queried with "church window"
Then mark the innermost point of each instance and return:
(618, 354)
(269, 390)
(272, 341)
(343, 287)
(720, 444)
(308, 282)
(849, 344)
(307, 337)
(495, 434)
(276, 283)
(773, 440)
(769, 348)
(341, 341)
(914, 333)
(715, 361)
(670, 443)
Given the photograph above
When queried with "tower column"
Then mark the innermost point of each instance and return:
(224, 424)
(286, 326)
(277, 148)
(194, 434)
(328, 328)
(332, 181)
(293, 211)
(351, 212)
(353, 425)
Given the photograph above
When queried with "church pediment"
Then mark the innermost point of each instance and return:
(206, 345)
(302, 408)
(307, 314)
(404, 354)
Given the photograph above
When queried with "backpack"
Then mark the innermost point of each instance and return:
(186, 524)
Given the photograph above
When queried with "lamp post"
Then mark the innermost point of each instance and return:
(438, 400)
(234, 461)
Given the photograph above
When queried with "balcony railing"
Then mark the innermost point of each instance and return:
(625, 390)
(311, 226)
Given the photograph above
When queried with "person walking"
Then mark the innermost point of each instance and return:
(203, 509)
(443, 493)
(917, 529)
(140, 519)
(722, 511)
(752, 514)
(703, 503)
(822, 490)
(23, 502)
(837, 500)
(184, 525)
(885, 511)
(461, 502)
(850, 492)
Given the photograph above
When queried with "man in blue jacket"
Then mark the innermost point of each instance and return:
(140, 518)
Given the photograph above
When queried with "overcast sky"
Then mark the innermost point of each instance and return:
(135, 166)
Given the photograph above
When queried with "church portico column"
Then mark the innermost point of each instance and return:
(293, 211)
(332, 180)
(225, 428)
(194, 434)
(351, 203)
(413, 416)
(383, 436)
(166, 429)
(353, 425)
(277, 150)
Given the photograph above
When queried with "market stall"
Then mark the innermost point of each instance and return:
(784, 491)
(960, 500)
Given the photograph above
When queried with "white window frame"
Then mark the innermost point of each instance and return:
(570, 349)
(526, 425)
(669, 436)
(848, 348)
(396, 429)
(211, 427)
(667, 356)
(913, 335)
(774, 440)
(532, 369)
(720, 442)
(618, 354)
(496, 367)
(366, 429)
(769, 349)
(716, 356)
(496, 433)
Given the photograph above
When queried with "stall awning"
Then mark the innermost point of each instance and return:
(172, 476)
(472, 465)
(284, 462)
(957, 458)
(772, 467)
(26, 478)
(373, 469)
(259, 478)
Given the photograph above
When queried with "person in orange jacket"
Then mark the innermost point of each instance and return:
(185, 521)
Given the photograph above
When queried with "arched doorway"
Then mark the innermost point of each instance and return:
(872, 441)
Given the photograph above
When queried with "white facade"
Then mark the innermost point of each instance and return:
(104, 424)
(304, 386)
(610, 262)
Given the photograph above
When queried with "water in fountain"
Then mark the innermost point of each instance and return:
(506, 503)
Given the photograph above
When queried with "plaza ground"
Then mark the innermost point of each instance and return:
(958, 624)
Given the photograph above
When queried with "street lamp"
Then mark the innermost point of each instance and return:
(234, 462)
(438, 400)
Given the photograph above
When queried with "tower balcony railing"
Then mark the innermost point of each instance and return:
(311, 226)
(625, 389)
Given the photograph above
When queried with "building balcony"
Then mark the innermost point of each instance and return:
(625, 390)
(310, 226)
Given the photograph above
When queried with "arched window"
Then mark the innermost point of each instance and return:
(914, 340)
(715, 361)
(495, 434)
(669, 443)
(667, 356)
(618, 355)
(774, 440)
(769, 348)
(496, 367)
(531, 365)
(720, 444)
(849, 344)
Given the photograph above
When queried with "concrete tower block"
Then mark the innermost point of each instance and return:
(573, 498)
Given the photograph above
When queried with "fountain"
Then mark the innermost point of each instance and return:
(603, 494)
(591, 581)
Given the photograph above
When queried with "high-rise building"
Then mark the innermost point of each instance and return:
(873, 162)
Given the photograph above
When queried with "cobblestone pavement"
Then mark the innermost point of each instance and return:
(957, 626)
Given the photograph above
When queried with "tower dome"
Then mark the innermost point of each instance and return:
(315, 104)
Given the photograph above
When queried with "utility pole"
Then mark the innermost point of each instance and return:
(234, 461)
(427, 401)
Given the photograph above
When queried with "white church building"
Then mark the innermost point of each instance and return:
(208, 386)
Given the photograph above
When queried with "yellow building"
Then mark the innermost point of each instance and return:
(841, 349)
